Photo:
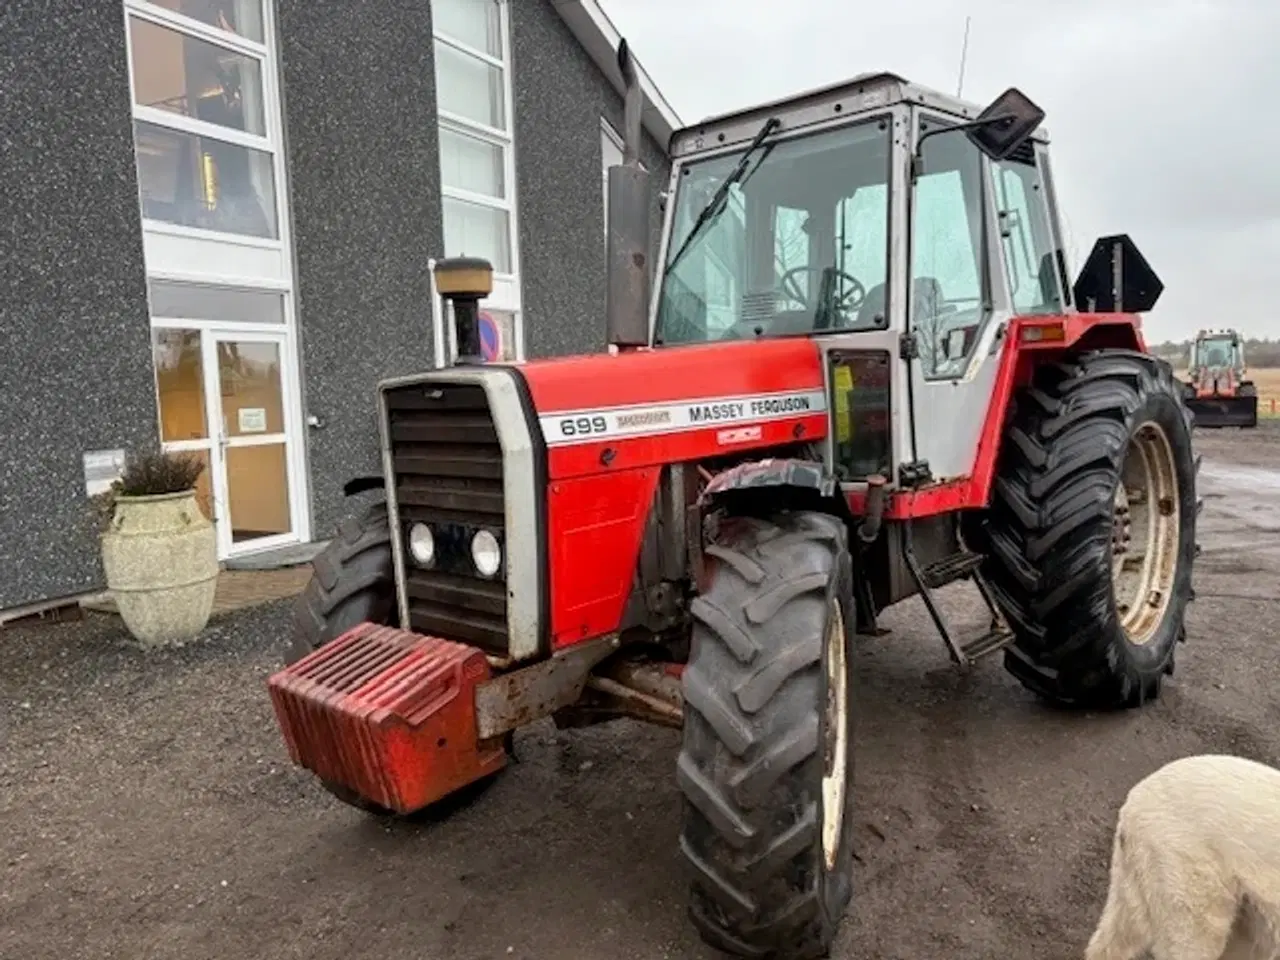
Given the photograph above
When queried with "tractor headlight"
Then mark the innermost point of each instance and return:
(422, 544)
(486, 553)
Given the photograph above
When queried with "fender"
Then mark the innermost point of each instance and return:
(797, 481)
(1029, 341)
(361, 485)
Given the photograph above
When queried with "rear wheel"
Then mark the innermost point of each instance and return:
(353, 582)
(766, 767)
(1091, 534)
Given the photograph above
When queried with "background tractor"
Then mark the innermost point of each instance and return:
(863, 376)
(1218, 393)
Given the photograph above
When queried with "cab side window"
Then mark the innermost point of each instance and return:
(1030, 254)
(946, 306)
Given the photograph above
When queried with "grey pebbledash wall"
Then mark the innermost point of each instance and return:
(362, 142)
(76, 359)
(360, 132)
(560, 98)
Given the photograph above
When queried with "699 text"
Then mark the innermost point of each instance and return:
(582, 426)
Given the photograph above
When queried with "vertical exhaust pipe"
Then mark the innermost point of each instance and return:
(627, 301)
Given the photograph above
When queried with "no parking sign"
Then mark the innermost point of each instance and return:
(490, 338)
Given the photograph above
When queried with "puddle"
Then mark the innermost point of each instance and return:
(1252, 479)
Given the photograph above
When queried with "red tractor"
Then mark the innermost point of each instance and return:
(863, 376)
(1218, 392)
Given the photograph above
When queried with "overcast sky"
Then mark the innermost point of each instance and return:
(1161, 112)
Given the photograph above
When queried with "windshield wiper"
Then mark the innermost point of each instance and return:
(717, 202)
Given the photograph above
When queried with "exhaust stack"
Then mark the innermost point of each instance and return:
(464, 282)
(627, 303)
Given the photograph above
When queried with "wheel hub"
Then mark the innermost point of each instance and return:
(1144, 533)
(836, 741)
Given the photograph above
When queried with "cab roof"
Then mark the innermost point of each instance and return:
(866, 91)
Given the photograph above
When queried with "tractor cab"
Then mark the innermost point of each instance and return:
(876, 215)
(1218, 352)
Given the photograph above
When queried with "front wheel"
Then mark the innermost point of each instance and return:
(766, 767)
(1091, 533)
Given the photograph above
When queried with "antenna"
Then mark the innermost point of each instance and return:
(964, 52)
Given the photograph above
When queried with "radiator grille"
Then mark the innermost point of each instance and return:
(448, 471)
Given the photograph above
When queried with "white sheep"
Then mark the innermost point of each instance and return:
(1195, 865)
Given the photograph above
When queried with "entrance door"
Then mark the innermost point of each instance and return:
(223, 397)
(257, 492)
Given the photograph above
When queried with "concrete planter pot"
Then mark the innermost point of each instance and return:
(161, 564)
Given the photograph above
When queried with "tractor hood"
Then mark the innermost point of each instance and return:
(653, 406)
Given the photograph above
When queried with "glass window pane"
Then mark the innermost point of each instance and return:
(258, 491)
(1029, 250)
(814, 207)
(474, 231)
(468, 163)
(179, 384)
(474, 22)
(235, 16)
(194, 78)
(252, 397)
(498, 335)
(469, 87)
(171, 300)
(202, 182)
(946, 287)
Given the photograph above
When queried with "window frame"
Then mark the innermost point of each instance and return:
(506, 296)
(272, 143)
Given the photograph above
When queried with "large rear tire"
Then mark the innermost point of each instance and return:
(766, 767)
(353, 582)
(1091, 533)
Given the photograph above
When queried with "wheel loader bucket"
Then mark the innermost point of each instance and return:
(1235, 411)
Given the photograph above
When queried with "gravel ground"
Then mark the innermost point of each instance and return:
(149, 809)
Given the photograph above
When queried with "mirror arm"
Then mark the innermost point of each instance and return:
(917, 158)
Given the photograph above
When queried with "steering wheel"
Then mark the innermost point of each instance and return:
(850, 299)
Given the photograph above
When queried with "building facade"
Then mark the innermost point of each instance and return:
(224, 217)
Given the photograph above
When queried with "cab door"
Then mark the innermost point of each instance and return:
(980, 252)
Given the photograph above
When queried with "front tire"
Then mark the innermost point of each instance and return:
(1091, 533)
(766, 766)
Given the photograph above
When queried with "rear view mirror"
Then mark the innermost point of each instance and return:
(1005, 125)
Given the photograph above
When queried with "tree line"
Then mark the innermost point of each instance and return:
(1257, 353)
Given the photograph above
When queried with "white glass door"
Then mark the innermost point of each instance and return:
(254, 479)
(224, 397)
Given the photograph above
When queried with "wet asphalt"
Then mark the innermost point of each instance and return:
(149, 810)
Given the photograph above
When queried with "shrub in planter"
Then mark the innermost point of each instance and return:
(158, 549)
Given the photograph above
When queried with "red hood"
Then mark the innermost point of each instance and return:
(667, 374)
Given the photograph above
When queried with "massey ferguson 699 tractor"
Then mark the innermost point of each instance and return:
(1218, 394)
(863, 375)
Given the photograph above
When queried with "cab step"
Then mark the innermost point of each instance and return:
(997, 639)
(962, 565)
(958, 566)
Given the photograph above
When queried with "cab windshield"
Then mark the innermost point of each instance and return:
(798, 246)
(1215, 352)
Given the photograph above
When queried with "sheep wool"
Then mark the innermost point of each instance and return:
(1195, 865)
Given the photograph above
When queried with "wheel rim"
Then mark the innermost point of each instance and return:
(1144, 533)
(836, 746)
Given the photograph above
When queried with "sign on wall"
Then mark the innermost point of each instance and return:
(490, 337)
(101, 469)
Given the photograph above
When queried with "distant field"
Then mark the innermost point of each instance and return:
(1267, 380)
